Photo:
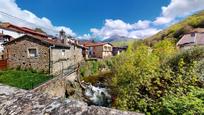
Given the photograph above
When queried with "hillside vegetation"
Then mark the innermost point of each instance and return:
(154, 77)
(123, 43)
(176, 31)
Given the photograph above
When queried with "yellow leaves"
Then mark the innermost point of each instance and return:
(164, 49)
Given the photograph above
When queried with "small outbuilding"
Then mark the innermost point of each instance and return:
(191, 39)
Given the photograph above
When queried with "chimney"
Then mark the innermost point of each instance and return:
(63, 37)
(62, 34)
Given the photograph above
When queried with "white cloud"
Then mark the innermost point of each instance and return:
(141, 29)
(178, 8)
(118, 27)
(162, 20)
(117, 24)
(10, 7)
(141, 24)
(143, 33)
(85, 37)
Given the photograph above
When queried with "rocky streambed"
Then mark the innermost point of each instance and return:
(93, 95)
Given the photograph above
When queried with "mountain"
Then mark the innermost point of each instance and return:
(176, 31)
(117, 39)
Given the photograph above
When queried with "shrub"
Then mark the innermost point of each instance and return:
(192, 103)
(145, 77)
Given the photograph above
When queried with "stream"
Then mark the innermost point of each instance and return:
(98, 95)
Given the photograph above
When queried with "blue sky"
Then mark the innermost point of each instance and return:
(103, 19)
(81, 15)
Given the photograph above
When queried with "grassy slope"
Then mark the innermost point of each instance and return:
(176, 31)
(22, 79)
(123, 43)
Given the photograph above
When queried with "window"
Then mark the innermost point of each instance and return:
(32, 52)
(105, 48)
(63, 52)
(109, 48)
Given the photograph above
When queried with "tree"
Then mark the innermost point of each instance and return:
(40, 30)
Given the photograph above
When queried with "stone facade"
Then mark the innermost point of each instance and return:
(17, 54)
(62, 59)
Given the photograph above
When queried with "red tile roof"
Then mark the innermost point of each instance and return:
(25, 30)
(44, 40)
(91, 44)
(32, 32)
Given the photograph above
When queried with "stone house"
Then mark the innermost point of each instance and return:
(10, 31)
(99, 50)
(42, 54)
(191, 39)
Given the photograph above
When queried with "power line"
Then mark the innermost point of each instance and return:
(22, 20)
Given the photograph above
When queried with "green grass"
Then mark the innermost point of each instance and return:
(23, 79)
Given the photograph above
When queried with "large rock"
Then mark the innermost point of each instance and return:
(16, 101)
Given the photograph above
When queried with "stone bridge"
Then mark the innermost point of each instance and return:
(15, 101)
(60, 84)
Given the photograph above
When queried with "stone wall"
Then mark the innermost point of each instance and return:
(17, 54)
(62, 61)
(20, 102)
(76, 54)
(98, 51)
(57, 86)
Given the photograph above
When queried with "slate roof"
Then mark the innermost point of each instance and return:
(189, 38)
(44, 40)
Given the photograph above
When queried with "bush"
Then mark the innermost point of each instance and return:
(146, 77)
(191, 104)
(93, 68)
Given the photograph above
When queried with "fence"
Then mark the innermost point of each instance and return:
(3, 64)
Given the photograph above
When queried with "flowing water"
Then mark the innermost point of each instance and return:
(98, 95)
